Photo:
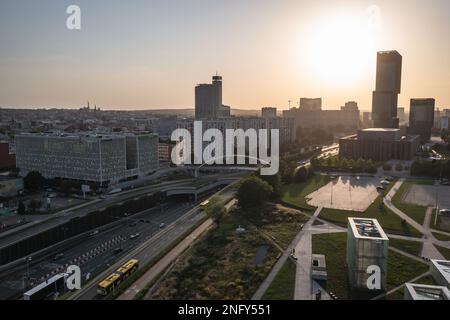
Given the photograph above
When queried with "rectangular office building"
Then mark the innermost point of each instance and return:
(379, 144)
(86, 157)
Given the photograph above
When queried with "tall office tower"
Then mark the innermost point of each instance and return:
(311, 103)
(269, 112)
(367, 246)
(208, 99)
(421, 118)
(388, 83)
(401, 114)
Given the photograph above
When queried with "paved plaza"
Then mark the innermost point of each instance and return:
(346, 193)
(425, 195)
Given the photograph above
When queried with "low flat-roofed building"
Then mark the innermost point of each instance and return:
(10, 187)
(379, 144)
(318, 267)
(440, 270)
(367, 245)
(414, 291)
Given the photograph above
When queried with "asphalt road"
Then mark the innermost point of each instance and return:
(96, 252)
(12, 236)
(150, 250)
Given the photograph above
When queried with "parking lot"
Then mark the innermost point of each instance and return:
(346, 193)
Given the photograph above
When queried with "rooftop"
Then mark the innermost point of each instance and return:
(427, 292)
(443, 266)
(367, 229)
(381, 130)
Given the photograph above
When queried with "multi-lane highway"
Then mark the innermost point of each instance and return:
(98, 250)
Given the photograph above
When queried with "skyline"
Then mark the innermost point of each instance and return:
(136, 57)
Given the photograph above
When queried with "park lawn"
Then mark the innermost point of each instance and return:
(295, 193)
(441, 237)
(428, 280)
(283, 286)
(390, 222)
(399, 294)
(414, 211)
(282, 224)
(400, 269)
(444, 251)
(412, 247)
(221, 266)
(443, 223)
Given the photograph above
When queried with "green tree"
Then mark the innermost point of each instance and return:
(252, 192)
(34, 205)
(21, 208)
(215, 208)
(33, 181)
(301, 174)
(274, 181)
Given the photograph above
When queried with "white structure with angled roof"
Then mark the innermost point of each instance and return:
(414, 291)
(440, 270)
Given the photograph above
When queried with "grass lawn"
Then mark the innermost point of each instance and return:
(399, 294)
(280, 223)
(443, 223)
(226, 265)
(400, 268)
(426, 280)
(416, 212)
(283, 286)
(295, 193)
(444, 251)
(441, 236)
(390, 222)
(412, 247)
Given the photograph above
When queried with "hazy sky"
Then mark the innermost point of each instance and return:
(141, 54)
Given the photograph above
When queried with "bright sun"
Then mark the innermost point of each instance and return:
(341, 48)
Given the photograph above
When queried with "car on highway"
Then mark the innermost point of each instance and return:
(93, 233)
(117, 250)
(162, 225)
(58, 256)
(132, 224)
(134, 236)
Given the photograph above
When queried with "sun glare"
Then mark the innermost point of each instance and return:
(341, 48)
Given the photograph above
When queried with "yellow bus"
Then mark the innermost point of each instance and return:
(110, 283)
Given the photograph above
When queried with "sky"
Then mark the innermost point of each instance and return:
(150, 54)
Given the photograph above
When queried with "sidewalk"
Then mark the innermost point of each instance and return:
(164, 262)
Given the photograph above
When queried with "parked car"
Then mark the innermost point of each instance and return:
(162, 225)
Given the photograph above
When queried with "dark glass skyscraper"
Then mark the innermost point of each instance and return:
(421, 118)
(388, 84)
(208, 99)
